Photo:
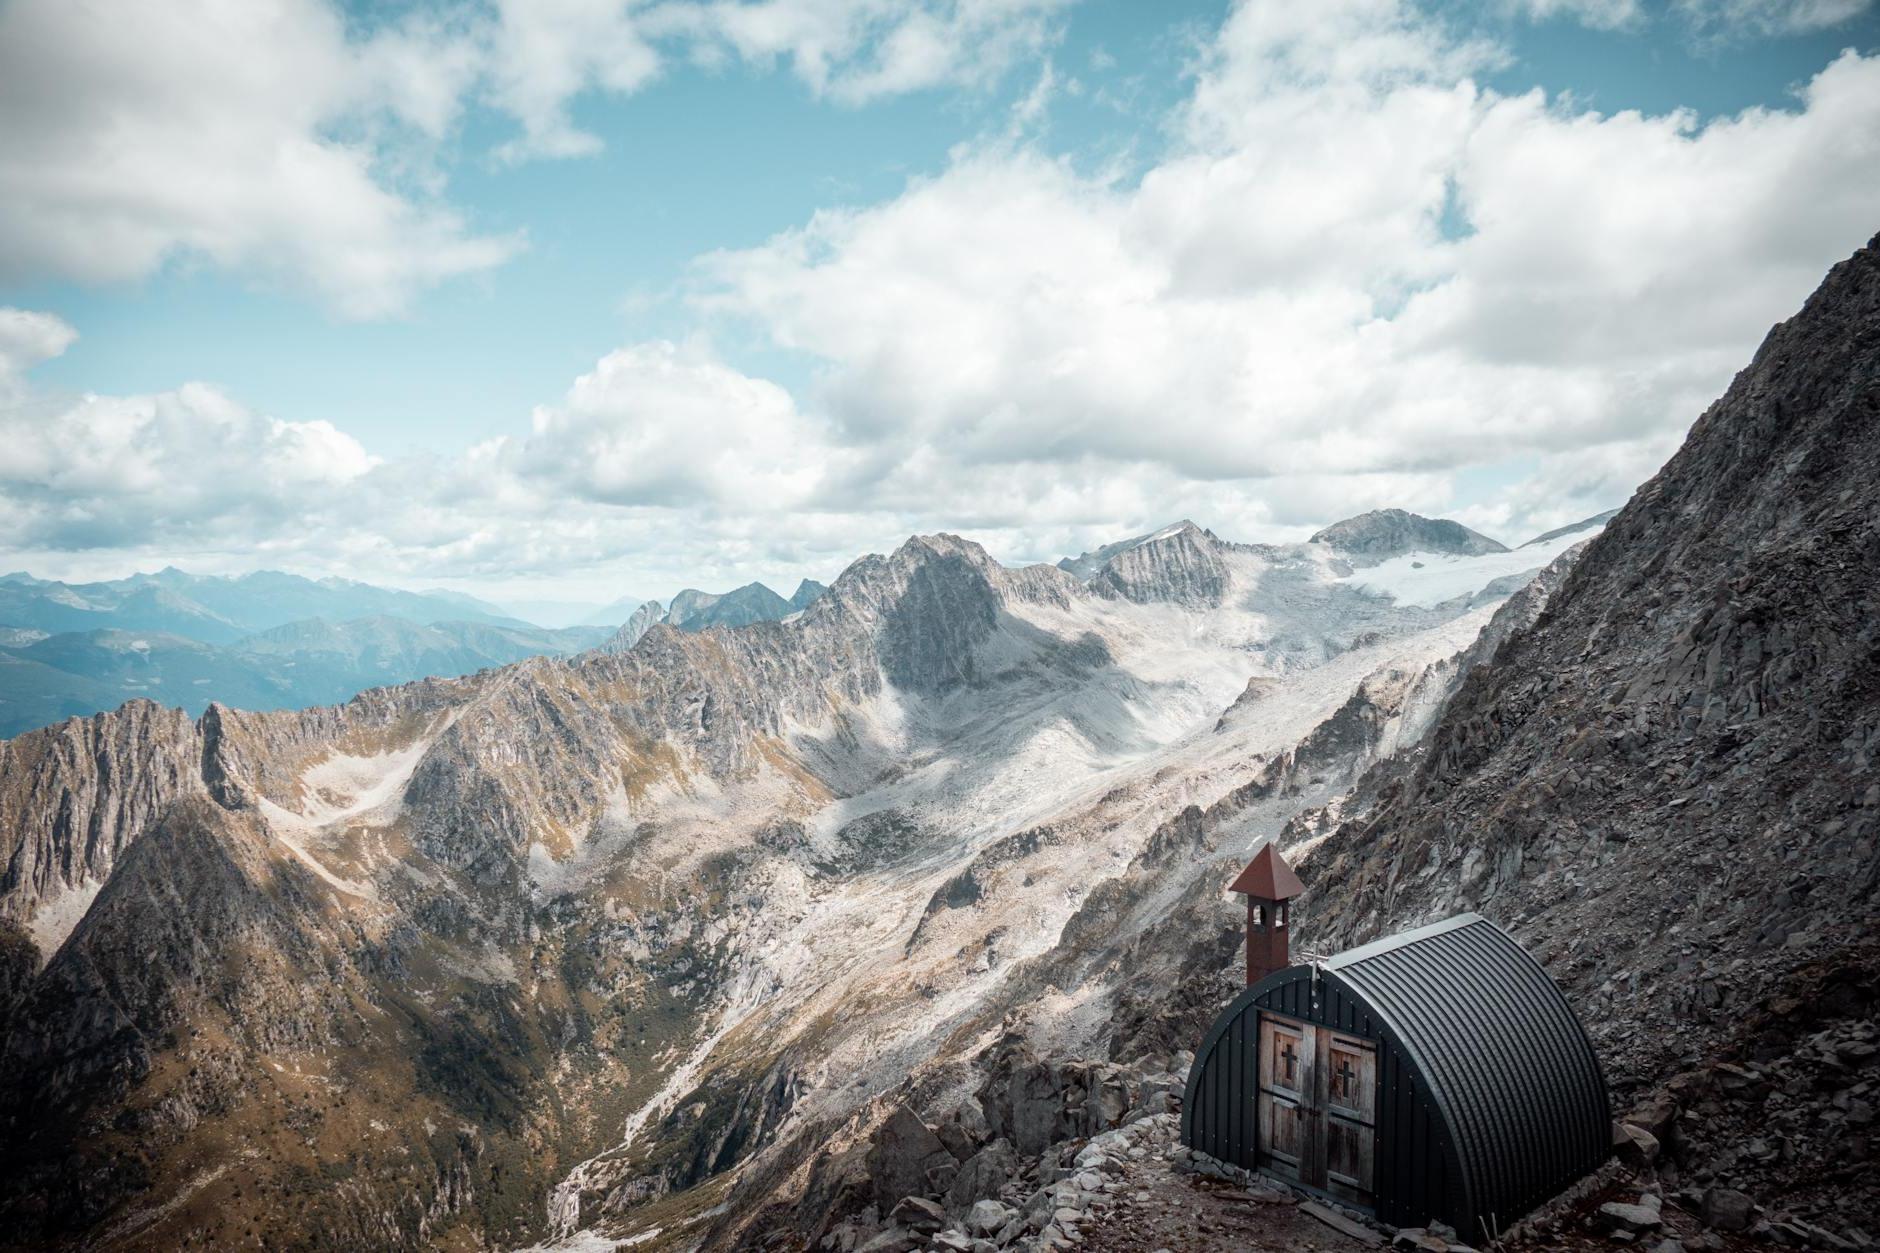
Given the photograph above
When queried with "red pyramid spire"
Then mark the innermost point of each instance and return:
(1268, 877)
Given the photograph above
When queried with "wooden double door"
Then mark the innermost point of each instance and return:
(1317, 1114)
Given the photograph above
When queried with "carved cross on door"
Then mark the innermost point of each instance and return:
(1344, 1075)
(1288, 1056)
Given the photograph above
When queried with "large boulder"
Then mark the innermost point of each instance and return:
(917, 1213)
(1726, 1209)
(988, 1217)
(903, 1156)
(983, 1175)
(1035, 1103)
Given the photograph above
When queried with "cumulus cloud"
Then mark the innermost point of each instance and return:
(119, 472)
(272, 138)
(661, 452)
(1357, 263)
(1355, 278)
(661, 424)
(216, 131)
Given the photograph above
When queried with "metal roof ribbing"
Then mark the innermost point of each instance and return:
(1505, 1060)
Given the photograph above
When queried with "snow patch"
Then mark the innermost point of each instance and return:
(1427, 579)
(342, 786)
(340, 789)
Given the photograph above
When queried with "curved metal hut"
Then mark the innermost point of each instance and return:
(1436, 1074)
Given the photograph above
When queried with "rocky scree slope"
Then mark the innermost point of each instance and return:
(1668, 786)
(1083, 1036)
(1658, 769)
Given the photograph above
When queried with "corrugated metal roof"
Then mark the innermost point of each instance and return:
(1506, 1062)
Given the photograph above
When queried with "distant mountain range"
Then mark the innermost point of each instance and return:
(271, 640)
(309, 662)
(220, 610)
(693, 610)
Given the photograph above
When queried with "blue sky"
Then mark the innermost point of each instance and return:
(732, 227)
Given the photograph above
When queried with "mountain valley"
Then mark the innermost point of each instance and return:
(601, 891)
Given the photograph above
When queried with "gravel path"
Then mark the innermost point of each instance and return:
(1183, 1213)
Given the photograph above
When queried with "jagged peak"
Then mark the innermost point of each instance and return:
(1088, 564)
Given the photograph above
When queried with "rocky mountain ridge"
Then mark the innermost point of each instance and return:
(1667, 784)
(596, 919)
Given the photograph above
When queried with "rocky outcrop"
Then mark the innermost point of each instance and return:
(1087, 565)
(642, 620)
(906, 1158)
(1032, 1102)
(1079, 1128)
(74, 795)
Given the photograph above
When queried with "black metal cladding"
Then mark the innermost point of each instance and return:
(1490, 1099)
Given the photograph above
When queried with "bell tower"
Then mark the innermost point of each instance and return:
(1269, 884)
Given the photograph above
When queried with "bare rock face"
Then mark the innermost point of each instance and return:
(642, 620)
(904, 1156)
(1385, 533)
(1667, 781)
(1182, 566)
(72, 796)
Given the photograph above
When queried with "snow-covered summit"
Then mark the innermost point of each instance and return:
(1385, 533)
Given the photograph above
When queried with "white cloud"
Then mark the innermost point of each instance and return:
(1276, 324)
(1597, 14)
(857, 50)
(269, 138)
(661, 453)
(544, 53)
(658, 424)
(1279, 298)
(140, 134)
(1771, 17)
(26, 339)
(116, 472)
